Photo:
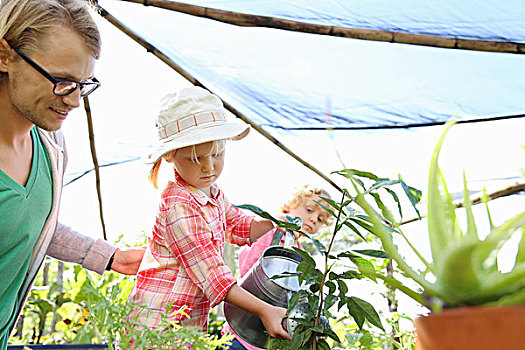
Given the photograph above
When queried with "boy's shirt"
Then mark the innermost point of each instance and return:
(183, 264)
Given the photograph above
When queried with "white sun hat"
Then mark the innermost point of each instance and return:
(192, 116)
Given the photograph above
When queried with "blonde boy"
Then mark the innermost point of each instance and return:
(302, 203)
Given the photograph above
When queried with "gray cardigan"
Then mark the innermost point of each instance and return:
(57, 240)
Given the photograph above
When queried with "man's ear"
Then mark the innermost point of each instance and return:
(4, 55)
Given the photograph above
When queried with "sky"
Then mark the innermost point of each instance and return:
(256, 171)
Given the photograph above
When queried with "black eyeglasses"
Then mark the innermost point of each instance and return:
(62, 87)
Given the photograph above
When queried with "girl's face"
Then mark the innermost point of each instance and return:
(201, 169)
(312, 214)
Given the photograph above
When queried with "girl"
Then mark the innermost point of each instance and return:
(302, 203)
(183, 263)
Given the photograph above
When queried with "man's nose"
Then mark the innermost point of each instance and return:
(73, 99)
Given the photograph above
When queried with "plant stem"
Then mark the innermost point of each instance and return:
(327, 269)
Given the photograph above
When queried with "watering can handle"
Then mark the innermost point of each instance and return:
(284, 323)
(289, 239)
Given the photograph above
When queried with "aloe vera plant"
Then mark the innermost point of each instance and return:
(464, 267)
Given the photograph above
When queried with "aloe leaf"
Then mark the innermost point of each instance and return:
(520, 257)
(396, 284)
(485, 199)
(388, 244)
(516, 298)
(503, 232)
(497, 285)
(439, 219)
(458, 275)
(472, 231)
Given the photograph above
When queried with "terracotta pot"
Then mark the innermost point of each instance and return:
(472, 328)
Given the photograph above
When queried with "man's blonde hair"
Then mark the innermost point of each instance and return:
(23, 23)
(300, 194)
(217, 147)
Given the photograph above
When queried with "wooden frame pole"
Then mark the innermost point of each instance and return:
(242, 19)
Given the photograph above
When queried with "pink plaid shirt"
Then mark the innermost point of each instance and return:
(183, 262)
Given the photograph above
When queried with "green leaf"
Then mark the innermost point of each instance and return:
(396, 199)
(383, 183)
(373, 253)
(353, 228)
(362, 309)
(414, 195)
(365, 267)
(268, 216)
(319, 246)
(332, 203)
(343, 288)
(366, 338)
(331, 334)
(331, 287)
(384, 210)
(294, 300)
(304, 255)
(359, 173)
(330, 301)
(322, 345)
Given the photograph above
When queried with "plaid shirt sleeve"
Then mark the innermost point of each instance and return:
(190, 238)
(238, 225)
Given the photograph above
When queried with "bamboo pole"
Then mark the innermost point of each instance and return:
(95, 163)
(242, 19)
(508, 190)
(190, 78)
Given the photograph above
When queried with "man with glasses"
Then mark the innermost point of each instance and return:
(48, 50)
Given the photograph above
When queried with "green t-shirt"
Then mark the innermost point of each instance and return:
(23, 213)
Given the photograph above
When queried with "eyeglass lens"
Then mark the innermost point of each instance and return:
(67, 87)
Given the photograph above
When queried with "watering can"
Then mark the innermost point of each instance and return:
(275, 260)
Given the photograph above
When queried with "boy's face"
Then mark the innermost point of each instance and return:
(200, 172)
(312, 214)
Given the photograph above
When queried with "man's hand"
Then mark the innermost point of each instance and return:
(128, 261)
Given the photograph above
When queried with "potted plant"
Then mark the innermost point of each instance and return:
(462, 285)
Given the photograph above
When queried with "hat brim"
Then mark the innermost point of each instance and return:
(226, 131)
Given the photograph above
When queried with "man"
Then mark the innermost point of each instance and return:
(48, 50)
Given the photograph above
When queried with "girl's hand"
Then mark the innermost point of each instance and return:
(272, 318)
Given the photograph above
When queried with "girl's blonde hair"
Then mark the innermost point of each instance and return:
(217, 147)
(299, 196)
